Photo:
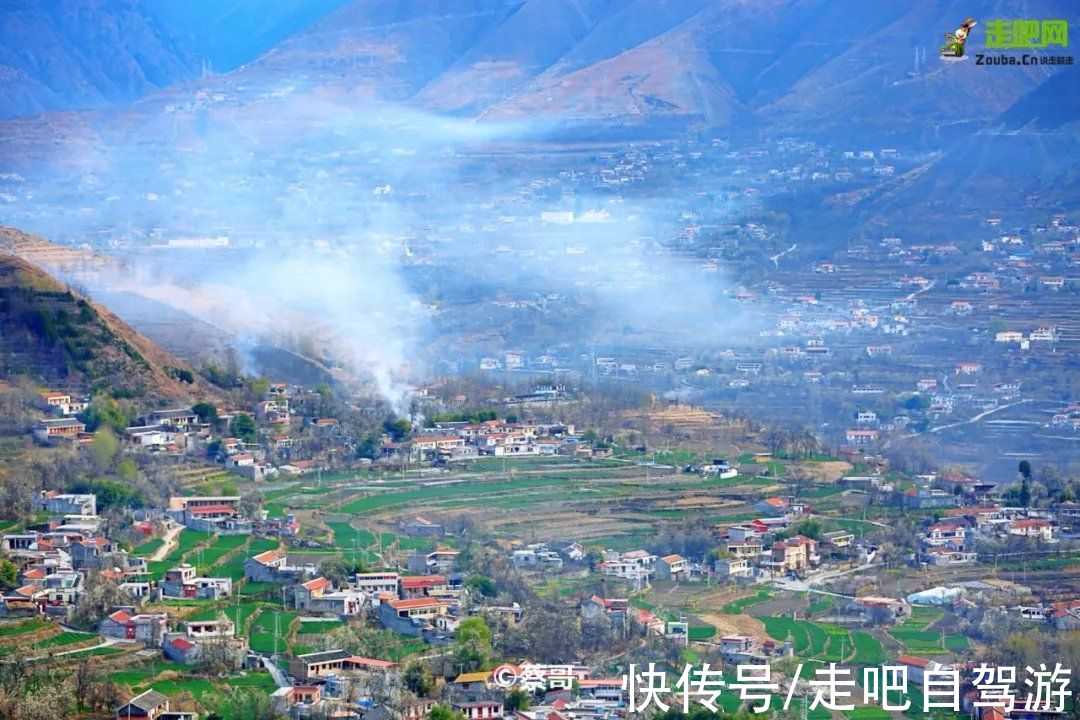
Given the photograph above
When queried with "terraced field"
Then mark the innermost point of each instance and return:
(186, 542)
(60, 642)
(219, 548)
(826, 642)
(269, 631)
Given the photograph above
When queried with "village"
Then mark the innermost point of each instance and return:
(911, 334)
(508, 360)
(328, 577)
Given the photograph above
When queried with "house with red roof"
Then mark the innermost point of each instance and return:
(917, 667)
(319, 595)
(183, 582)
(196, 638)
(1064, 615)
(216, 514)
(271, 566)
(125, 624)
(671, 567)
(1033, 528)
(414, 586)
(310, 667)
(418, 617)
(773, 506)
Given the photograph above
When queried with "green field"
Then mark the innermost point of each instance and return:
(781, 629)
(867, 713)
(239, 614)
(868, 650)
(219, 548)
(701, 632)
(21, 628)
(738, 607)
(928, 641)
(378, 502)
(56, 643)
(813, 640)
(148, 548)
(817, 635)
(185, 543)
(840, 645)
(317, 627)
(269, 631)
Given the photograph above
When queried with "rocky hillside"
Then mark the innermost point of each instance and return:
(59, 338)
(848, 64)
(67, 54)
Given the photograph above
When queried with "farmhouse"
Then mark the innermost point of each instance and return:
(123, 624)
(671, 567)
(318, 665)
(68, 504)
(1033, 528)
(320, 596)
(153, 706)
(182, 582)
(53, 430)
(270, 566)
(793, 554)
(732, 568)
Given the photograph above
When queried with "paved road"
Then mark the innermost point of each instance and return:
(107, 642)
(278, 674)
(171, 532)
(807, 585)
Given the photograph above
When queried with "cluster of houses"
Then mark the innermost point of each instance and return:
(427, 605)
(448, 442)
(181, 430)
(952, 539)
(54, 556)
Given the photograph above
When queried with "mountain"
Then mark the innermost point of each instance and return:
(865, 70)
(822, 65)
(60, 338)
(71, 54)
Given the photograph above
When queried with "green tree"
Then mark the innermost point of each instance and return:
(516, 699)
(441, 712)
(105, 446)
(472, 647)
(418, 679)
(243, 427)
(1024, 468)
(104, 411)
(481, 584)
(368, 448)
(1024, 496)
(9, 574)
(126, 470)
(206, 412)
(398, 430)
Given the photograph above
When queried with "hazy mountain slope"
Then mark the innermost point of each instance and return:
(70, 54)
(1051, 106)
(876, 88)
(829, 68)
(1026, 153)
(379, 49)
(229, 33)
(666, 77)
(498, 63)
(59, 338)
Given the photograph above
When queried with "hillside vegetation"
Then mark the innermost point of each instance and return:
(59, 338)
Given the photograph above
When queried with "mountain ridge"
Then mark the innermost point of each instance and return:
(59, 337)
